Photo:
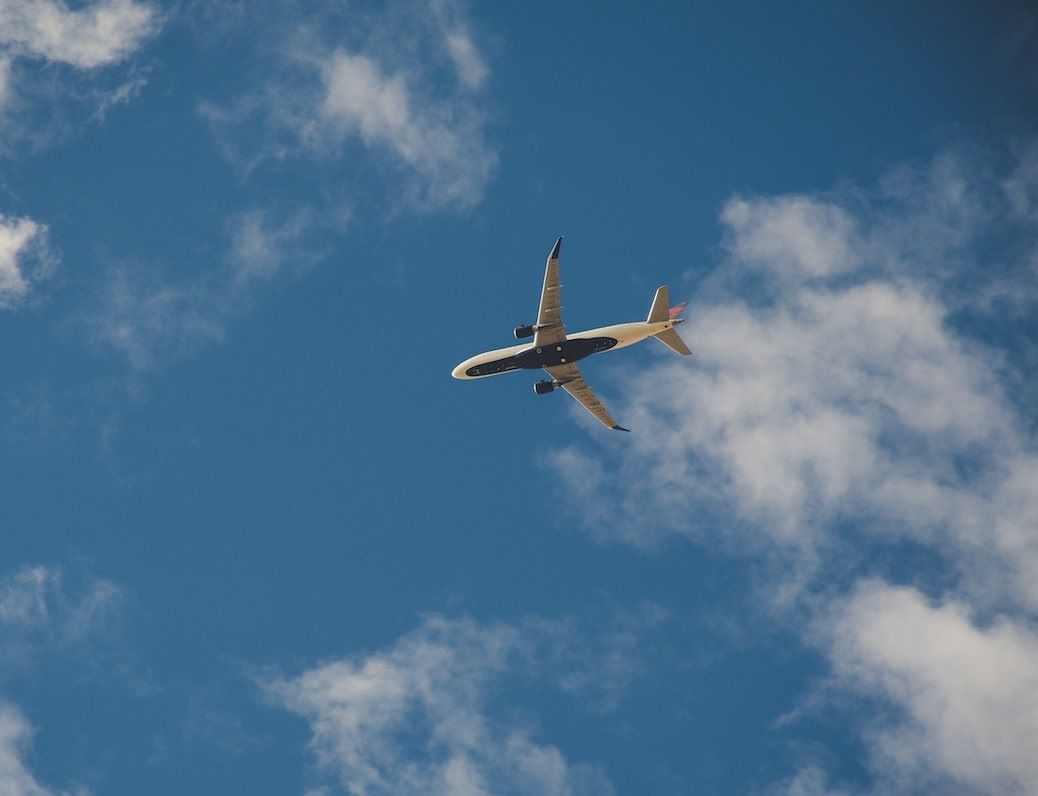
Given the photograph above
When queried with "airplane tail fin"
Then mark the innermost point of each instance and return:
(662, 311)
(660, 304)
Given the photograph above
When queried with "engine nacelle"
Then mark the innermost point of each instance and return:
(544, 387)
(522, 332)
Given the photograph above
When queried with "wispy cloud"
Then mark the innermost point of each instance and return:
(456, 33)
(25, 258)
(51, 55)
(23, 597)
(389, 91)
(415, 718)
(384, 90)
(441, 143)
(148, 319)
(51, 614)
(36, 601)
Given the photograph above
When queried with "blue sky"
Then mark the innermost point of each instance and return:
(257, 540)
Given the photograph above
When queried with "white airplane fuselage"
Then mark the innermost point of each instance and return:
(575, 347)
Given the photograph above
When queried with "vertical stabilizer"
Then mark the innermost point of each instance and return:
(662, 311)
(660, 305)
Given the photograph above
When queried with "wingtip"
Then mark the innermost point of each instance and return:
(621, 428)
(555, 249)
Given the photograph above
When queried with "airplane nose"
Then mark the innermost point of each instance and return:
(459, 371)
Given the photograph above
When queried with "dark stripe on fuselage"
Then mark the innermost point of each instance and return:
(546, 356)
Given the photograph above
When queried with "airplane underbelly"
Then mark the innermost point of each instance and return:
(563, 351)
(535, 357)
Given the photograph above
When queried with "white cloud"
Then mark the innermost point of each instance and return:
(15, 739)
(793, 234)
(24, 258)
(841, 402)
(415, 718)
(59, 65)
(966, 694)
(838, 412)
(405, 87)
(441, 143)
(359, 97)
(98, 34)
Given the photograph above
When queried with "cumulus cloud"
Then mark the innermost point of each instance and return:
(415, 718)
(406, 87)
(98, 34)
(848, 403)
(842, 401)
(968, 692)
(25, 258)
(793, 235)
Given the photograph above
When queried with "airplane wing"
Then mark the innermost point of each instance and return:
(574, 384)
(549, 316)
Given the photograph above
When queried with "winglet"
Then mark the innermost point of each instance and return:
(555, 249)
(621, 428)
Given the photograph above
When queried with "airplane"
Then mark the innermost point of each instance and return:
(556, 351)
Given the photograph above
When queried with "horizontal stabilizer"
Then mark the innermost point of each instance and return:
(671, 339)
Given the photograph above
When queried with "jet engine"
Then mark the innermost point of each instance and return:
(544, 387)
(522, 332)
